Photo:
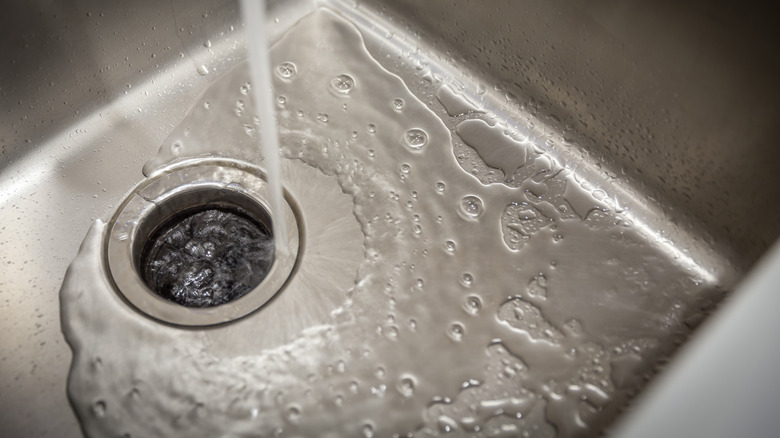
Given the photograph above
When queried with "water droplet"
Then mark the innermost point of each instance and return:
(415, 138)
(342, 84)
(293, 413)
(456, 331)
(467, 279)
(176, 148)
(406, 386)
(419, 283)
(286, 70)
(449, 246)
(371, 128)
(206, 105)
(472, 305)
(203, 70)
(281, 100)
(440, 186)
(391, 331)
(299, 113)
(244, 89)
(207, 44)
(471, 207)
(99, 409)
(322, 117)
(537, 287)
(405, 168)
(398, 104)
(368, 430)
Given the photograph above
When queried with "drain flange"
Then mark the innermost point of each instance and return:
(225, 265)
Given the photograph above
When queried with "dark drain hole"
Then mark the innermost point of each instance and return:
(207, 257)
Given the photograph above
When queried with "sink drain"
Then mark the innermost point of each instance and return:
(193, 245)
(207, 258)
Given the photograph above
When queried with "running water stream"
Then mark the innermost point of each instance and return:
(253, 16)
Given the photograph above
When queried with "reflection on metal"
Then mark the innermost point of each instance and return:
(692, 118)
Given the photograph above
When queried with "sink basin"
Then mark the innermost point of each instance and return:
(638, 138)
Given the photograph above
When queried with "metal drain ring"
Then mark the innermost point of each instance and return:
(183, 187)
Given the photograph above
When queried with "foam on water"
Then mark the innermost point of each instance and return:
(482, 308)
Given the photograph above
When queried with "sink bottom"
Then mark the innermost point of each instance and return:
(495, 282)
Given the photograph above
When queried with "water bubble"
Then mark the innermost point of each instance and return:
(456, 331)
(471, 207)
(406, 386)
(449, 246)
(371, 128)
(342, 84)
(99, 408)
(398, 104)
(440, 186)
(467, 279)
(472, 305)
(286, 70)
(415, 138)
(322, 117)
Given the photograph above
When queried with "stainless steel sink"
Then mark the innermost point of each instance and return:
(664, 112)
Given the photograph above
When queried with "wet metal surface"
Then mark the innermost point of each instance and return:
(676, 127)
